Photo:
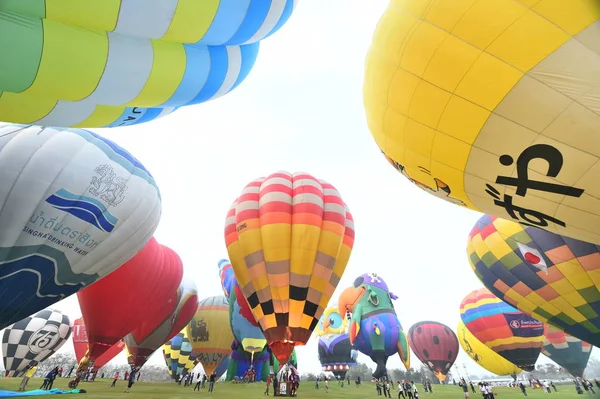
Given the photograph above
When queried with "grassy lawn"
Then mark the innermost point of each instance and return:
(101, 389)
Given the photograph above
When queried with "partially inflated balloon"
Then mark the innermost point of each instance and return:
(484, 356)
(151, 333)
(34, 339)
(209, 332)
(81, 346)
(435, 345)
(130, 297)
(568, 352)
(289, 238)
(336, 353)
(553, 278)
(178, 355)
(73, 208)
(113, 63)
(510, 333)
(493, 105)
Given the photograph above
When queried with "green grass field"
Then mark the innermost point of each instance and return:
(101, 389)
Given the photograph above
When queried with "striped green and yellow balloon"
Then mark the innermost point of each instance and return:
(178, 355)
(108, 63)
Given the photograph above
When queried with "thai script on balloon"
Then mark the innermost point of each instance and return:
(523, 184)
(108, 186)
(55, 228)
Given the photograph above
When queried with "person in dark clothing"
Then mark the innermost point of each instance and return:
(131, 379)
(211, 382)
(523, 388)
(472, 386)
(198, 384)
(49, 379)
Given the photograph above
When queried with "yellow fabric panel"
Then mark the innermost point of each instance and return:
(463, 119)
(497, 246)
(330, 242)
(101, 15)
(574, 298)
(570, 268)
(103, 115)
(417, 137)
(579, 15)
(304, 244)
(166, 75)
(236, 257)
(280, 293)
(250, 241)
(275, 241)
(23, 108)
(306, 321)
(191, 20)
(449, 151)
(515, 340)
(270, 321)
(428, 104)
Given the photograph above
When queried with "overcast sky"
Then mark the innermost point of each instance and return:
(300, 109)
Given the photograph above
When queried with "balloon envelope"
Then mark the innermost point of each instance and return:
(81, 345)
(121, 63)
(73, 208)
(484, 356)
(552, 278)
(125, 299)
(289, 238)
(34, 339)
(178, 355)
(210, 333)
(568, 352)
(489, 105)
(336, 353)
(435, 345)
(510, 333)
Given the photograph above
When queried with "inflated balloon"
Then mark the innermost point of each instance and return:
(126, 62)
(484, 356)
(568, 352)
(178, 355)
(374, 327)
(151, 333)
(74, 207)
(493, 105)
(130, 297)
(222, 369)
(210, 333)
(336, 353)
(289, 238)
(552, 278)
(81, 346)
(34, 339)
(435, 345)
(510, 333)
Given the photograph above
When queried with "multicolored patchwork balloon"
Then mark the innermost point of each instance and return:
(568, 352)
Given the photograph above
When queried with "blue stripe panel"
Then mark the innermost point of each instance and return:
(150, 114)
(129, 117)
(229, 17)
(255, 17)
(196, 73)
(285, 15)
(103, 211)
(249, 53)
(486, 311)
(219, 65)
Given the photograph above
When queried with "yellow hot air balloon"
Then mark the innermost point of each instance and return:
(289, 238)
(210, 332)
(484, 356)
(493, 105)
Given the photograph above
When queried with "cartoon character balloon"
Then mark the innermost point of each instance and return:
(510, 333)
(34, 339)
(129, 298)
(552, 278)
(151, 333)
(108, 65)
(435, 345)
(209, 332)
(491, 105)
(336, 353)
(178, 355)
(81, 346)
(74, 207)
(568, 352)
(289, 238)
(374, 327)
(484, 356)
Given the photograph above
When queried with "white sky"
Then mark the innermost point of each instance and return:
(300, 109)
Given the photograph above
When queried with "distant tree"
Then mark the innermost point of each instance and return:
(308, 377)
(593, 368)
(362, 370)
(60, 360)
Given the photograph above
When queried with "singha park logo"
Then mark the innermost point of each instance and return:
(106, 187)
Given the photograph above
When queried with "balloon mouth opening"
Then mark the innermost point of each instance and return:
(282, 350)
(439, 376)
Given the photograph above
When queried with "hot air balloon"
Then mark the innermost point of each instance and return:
(151, 333)
(552, 278)
(107, 65)
(81, 346)
(336, 353)
(492, 105)
(510, 333)
(374, 327)
(568, 352)
(74, 207)
(34, 339)
(130, 297)
(484, 356)
(209, 332)
(178, 355)
(289, 238)
(222, 369)
(435, 345)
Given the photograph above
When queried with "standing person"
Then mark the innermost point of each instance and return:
(28, 374)
(211, 381)
(348, 379)
(400, 390)
(326, 385)
(268, 385)
(115, 378)
(47, 380)
(465, 388)
(472, 386)
(386, 389)
(131, 379)
(523, 388)
(54, 375)
(429, 386)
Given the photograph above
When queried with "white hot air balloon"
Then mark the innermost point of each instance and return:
(34, 339)
(73, 208)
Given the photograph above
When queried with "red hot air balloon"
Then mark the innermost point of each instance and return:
(117, 304)
(80, 344)
(435, 345)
